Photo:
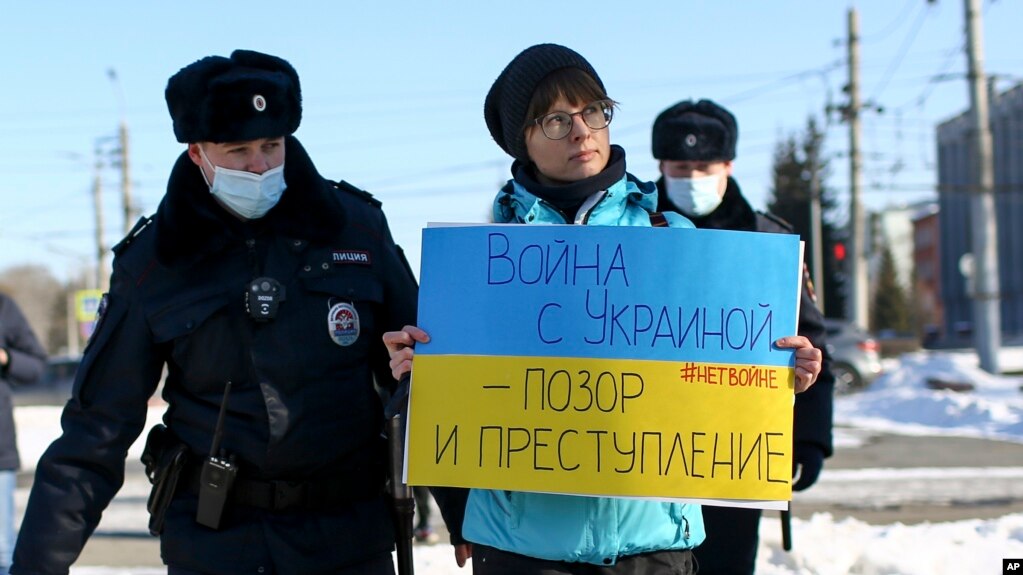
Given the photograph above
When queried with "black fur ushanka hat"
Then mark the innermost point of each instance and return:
(695, 131)
(245, 97)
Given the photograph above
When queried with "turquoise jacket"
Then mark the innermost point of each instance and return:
(597, 530)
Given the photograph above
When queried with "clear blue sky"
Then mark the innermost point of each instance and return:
(394, 93)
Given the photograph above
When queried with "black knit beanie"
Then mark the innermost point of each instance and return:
(508, 99)
(695, 131)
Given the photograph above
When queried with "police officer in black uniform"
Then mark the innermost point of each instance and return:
(262, 290)
(695, 144)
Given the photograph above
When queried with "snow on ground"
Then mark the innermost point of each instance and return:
(822, 547)
(899, 402)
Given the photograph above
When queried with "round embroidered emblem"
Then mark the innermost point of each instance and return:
(343, 323)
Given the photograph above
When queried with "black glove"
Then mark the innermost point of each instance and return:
(399, 399)
(807, 461)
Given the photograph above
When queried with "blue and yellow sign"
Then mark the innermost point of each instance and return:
(86, 307)
(605, 361)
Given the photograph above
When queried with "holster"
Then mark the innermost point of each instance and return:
(164, 456)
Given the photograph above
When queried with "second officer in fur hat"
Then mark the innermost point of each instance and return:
(262, 290)
(695, 144)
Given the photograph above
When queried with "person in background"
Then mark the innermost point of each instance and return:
(22, 361)
(263, 289)
(423, 532)
(695, 144)
(549, 110)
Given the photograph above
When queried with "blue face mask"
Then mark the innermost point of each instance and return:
(247, 194)
(694, 196)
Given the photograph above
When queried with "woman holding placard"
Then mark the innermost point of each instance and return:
(549, 110)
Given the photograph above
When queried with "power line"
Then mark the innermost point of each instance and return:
(776, 84)
(439, 172)
(903, 49)
(62, 200)
(941, 76)
(891, 26)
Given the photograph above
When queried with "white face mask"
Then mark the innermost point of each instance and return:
(247, 194)
(694, 196)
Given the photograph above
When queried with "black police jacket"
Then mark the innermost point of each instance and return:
(813, 410)
(303, 406)
(26, 360)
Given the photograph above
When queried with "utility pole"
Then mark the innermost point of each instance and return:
(72, 325)
(858, 261)
(986, 299)
(129, 206)
(97, 201)
(817, 257)
(130, 213)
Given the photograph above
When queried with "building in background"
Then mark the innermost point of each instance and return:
(892, 227)
(1006, 116)
(927, 303)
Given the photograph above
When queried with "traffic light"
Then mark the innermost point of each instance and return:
(839, 251)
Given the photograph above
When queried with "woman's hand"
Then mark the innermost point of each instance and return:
(463, 552)
(401, 347)
(808, 360)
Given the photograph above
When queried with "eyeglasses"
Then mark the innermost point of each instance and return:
(596, 115)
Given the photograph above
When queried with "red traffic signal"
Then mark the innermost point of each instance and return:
(839, 251)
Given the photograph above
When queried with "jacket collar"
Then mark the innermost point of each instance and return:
(523, 196)
(568, 197)
(190, 224)
(515, 204)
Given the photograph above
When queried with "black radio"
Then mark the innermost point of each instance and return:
(217, 475)
(215, 482)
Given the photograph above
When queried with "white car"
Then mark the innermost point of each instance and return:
(855, 360)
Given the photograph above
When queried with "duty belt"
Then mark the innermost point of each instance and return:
(283, 495)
